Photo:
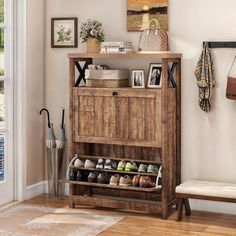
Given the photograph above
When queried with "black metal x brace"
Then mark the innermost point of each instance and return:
(171, 71)
(81, 73)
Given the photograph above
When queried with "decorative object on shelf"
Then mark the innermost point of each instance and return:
(231, 82)
(92, 33)
(205, 78)
(138, 79)
(64, 32)
(139, 14)
(153, 39)
(154, 76)
(116, 47)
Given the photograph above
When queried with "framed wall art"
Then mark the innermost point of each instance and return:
(64, 32)
(138, 79)
(141, 12)
(154, 76)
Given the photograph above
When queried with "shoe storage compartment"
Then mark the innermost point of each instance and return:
(140, 125)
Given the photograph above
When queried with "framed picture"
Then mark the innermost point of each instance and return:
(64, 32)
(141, 12)
(138, 79)
(154, 76)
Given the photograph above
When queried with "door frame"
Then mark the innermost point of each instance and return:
(20, 98)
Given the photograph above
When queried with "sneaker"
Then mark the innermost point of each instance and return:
(89, 164)
(136, 180)
(121, 166)
(100, 164)
(146, 182)
(159, 178)
(125, 181)
(113, 165)
(72, 175)
(108, 165)
(78, 163)
(142, 168)
(114, 180)
(92, 178)
(131, 167)
(79, 176)
(152, 169)
(103, 178)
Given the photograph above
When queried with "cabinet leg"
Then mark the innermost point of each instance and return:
(187, 207)
(164, 213)
(180, 209)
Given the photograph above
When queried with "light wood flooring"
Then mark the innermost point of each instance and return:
(200, 223)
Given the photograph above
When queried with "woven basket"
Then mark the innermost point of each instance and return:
(107, 83)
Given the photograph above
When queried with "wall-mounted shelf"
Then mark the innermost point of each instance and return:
(221, 44)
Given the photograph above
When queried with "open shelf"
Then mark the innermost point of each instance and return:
(112, 171)
(119, 159)
(116, 186)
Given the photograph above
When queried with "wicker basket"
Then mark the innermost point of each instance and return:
(107, 83)
(107, 78)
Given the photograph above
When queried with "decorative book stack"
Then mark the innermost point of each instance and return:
(116, 47)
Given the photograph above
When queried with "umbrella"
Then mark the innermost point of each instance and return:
(50, 137)
(60, 142)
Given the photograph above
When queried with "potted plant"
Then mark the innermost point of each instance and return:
(92, 33)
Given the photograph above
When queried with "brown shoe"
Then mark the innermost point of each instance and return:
(146, 182)
(135, 181)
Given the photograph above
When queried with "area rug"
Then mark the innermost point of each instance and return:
(30, 220)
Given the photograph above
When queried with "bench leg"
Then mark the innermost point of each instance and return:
(180, 209)
(187, 207)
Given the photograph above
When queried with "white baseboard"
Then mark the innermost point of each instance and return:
(36, 189)
(41, 188)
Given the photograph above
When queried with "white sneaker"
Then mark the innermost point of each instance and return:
(100, 164)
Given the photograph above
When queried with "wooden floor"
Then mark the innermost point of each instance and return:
(200, 223)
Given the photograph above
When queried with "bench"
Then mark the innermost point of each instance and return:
(203, 190)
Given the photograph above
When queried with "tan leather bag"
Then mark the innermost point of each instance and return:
(231, 82)
(154, 38)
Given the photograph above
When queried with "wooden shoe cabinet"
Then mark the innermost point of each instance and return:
(127, 124)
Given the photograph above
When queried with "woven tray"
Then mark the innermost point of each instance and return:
(107, 83)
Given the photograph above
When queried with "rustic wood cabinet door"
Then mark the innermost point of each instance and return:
(124, 116)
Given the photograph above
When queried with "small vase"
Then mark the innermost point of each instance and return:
(93, 46)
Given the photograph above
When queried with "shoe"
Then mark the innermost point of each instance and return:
(125, 181)
(108, 165)
(103, 178)
(72, 175)
(131, 167)
(100, 164)
(146, 182)
(78, 163)
(136, 180)
(152, 169)
(159, 178)
(114, 180)
(89, 164)
(79, 176)
(121, 166)
(92, 178)
(142, 168)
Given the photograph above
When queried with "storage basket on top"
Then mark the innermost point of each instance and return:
(107, 78)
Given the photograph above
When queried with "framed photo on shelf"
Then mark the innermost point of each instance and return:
(64, 32)
(138, 79)
(154, 76)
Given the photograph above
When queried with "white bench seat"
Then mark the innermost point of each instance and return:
(204, 190)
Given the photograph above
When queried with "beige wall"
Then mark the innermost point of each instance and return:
(208, 150)
(35, 90)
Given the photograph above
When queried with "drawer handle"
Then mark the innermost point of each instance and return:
(114, 93)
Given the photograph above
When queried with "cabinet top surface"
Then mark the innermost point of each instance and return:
(156, 55)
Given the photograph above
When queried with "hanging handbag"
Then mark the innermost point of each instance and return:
(154, 38)
(231, 82)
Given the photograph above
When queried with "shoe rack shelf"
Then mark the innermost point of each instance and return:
(139, 125)
(112, 171)
(130, 188)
